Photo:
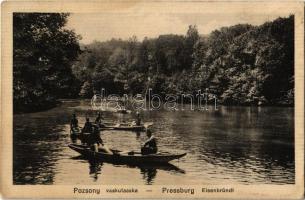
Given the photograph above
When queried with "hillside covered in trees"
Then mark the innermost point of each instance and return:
(241, 64)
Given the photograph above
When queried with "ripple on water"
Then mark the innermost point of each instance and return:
(258, 150)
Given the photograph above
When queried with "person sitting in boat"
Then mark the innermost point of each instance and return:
(87, 127)
(98, 120)
(150, 146)
(95, 141)
(94, 137)
(138, 120)
(74, 123)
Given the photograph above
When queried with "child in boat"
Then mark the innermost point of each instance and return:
(150, 146)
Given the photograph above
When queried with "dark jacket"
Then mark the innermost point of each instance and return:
(98, 120)
(94, 138)
(74, 123)
(87, 128)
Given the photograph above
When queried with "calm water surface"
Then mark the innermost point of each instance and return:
(241, 145)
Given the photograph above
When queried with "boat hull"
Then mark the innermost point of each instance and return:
(125, 158)
(125, 128)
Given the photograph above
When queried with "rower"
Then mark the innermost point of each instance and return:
(94, 140)
(87, 127)
(150, 146)
(138, 119)
(74, 123)
(98, 120)
(94, 137)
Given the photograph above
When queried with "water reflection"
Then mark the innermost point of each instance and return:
(95, 168)
(30, 152)
(240, 144)
(148, 171)
(149, 175)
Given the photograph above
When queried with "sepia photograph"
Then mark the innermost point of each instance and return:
(145, 97)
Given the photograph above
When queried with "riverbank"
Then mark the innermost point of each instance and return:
(52, 104)
(38, 107)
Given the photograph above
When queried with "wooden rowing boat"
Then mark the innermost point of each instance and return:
(124, 128)
(125, 157)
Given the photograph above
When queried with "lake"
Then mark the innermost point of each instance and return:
(236, 145)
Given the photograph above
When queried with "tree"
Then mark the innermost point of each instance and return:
(123, 63)
(43, 54)
(192, 36)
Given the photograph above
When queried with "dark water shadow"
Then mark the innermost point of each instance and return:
(148, 171)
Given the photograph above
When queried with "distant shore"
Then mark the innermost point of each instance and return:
(52, 105)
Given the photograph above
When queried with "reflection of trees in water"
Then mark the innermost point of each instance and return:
(38, 139)
(35, 153)
(247, 146)
(245, 138)
(272, 162)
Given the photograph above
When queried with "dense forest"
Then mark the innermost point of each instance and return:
(241, 64)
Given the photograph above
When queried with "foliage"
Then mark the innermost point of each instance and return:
(42, 58)
(241, 64)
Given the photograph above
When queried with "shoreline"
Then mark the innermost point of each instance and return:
(60, 101)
